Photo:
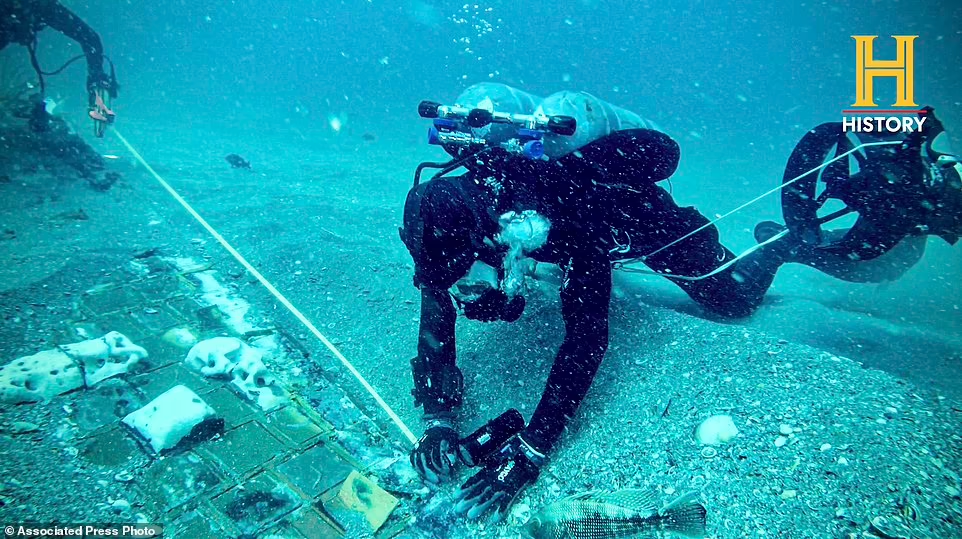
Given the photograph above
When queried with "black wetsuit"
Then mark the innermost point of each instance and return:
(597, 200)
(22, 20)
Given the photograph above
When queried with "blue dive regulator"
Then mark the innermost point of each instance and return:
(456, 126)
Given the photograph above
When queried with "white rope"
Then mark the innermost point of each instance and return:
(621, 265)
(770, 192)
(274, 291)
(715, 271)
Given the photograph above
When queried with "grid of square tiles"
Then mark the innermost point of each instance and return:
(267, 472)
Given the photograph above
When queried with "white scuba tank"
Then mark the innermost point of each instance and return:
(494, 96)
(596, 119)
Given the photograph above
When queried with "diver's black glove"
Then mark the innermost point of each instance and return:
(435, 455)
(476, 448)
(500, 482)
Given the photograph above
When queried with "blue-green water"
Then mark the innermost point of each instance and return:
(737, 84)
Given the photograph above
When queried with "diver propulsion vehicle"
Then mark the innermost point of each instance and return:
(902, 189)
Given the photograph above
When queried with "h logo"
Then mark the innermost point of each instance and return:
(902, 69)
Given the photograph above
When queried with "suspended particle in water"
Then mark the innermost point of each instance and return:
(335, 123)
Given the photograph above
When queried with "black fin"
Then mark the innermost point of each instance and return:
(687, 519)
(766, 230)
(642, 501)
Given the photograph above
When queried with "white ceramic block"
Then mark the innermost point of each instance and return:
(218, 356)
(229, 357)
(255, 382)
(166, 420)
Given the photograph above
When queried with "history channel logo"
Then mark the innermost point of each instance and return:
(904, 115)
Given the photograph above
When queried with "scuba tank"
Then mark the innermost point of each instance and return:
(497, 97)
(574, 130)
(595, 119)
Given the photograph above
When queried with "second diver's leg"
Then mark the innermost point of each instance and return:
(734, 292)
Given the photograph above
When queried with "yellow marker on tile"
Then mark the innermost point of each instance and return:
(364, 496)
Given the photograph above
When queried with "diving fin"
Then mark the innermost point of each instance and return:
(767, 230)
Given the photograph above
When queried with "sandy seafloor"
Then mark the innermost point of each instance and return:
(874, 404)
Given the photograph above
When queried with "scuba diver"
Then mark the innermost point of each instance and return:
(23, 20)
(571, 181)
